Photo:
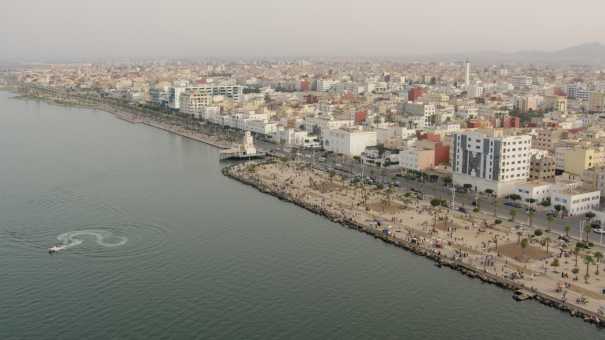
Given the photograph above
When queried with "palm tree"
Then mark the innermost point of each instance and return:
(576, 252)
(435, 202)
(513, 213)
(567, 229)
(519, 234)
(587, 229)
(524, 245)
(547, 241)
(530, 214)
(549, 220)
(598, 256)
(490, 192)
(588, 260)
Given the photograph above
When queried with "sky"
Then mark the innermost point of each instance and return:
(52, 29)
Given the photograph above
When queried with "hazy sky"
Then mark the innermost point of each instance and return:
(122, 28)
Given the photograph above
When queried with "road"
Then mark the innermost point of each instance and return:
(349, 168)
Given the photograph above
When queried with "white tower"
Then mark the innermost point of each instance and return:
(467, 73)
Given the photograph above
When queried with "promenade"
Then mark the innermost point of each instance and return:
(541, 264)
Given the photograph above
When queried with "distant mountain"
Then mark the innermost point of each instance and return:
(592, 54)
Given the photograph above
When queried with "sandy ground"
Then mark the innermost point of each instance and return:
(473, 238)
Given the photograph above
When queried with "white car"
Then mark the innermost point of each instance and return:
(598, 230)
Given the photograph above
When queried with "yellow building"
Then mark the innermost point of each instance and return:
(578, 160)
(597, 102)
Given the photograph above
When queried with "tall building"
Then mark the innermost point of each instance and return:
(521, 81)
(597, 102)
(467, 73)
(192, 99)
(495, 161)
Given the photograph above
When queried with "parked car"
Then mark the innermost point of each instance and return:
(462, 210)
(598, 230)
(513, 204)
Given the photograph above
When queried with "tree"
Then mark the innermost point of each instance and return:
(524, 245)
(576, 252)
(435, 202)
(567, 229)
(519, 234)
(598, 257)
(491, 193)
(447, 181)
(547, 242)
(514, 197)
(588, 260)
(587, 229)
(558, 209)
(513, 213)
(530, 214)
(549, 220)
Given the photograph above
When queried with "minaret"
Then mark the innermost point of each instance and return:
(467, 73)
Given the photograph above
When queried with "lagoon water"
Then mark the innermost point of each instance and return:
(161, 245)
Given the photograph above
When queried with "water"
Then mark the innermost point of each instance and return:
(161, 245)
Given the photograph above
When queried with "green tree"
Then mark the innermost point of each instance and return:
(567, 230)
(588, 260)
(549, 220)
(513, 213)
(492, 194)
(524, 245)
(598, 257)
(547, 242)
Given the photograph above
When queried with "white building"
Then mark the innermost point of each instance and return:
(350, 142)
(193, 99)
(493, 161)
(426, 111)
(539, 191)
(577, 201)
(521, 81)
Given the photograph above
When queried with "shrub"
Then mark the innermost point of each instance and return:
(575, 270)
(498, 221)
(555, 263)
(476, 210)
(538, 232)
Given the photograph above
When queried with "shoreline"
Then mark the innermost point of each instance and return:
(466, 269)
(136, 117)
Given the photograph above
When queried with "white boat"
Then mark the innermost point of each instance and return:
(55, 249)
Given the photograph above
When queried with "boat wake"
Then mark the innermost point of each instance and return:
(103, 238)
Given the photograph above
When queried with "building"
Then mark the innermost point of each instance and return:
(542, 167)
(415, 94)
(493, 161)
(417, 158)
(576, 201)
(380, 157)
(350, 142)
(537, 190)
(174, 97)
(597, 102)
(467, 74)
(426, 111)
(520, 81)
(545, 139)
(525, 104)
(578, 159)
(555, 103)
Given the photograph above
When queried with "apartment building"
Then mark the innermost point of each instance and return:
(350, 142)
(542, 167)
(490, 160)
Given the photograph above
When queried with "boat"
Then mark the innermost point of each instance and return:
(55, 249)
(522, 295)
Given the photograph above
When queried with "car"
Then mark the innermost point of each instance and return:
(513, 205)
(599, 231)
(462, 210)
